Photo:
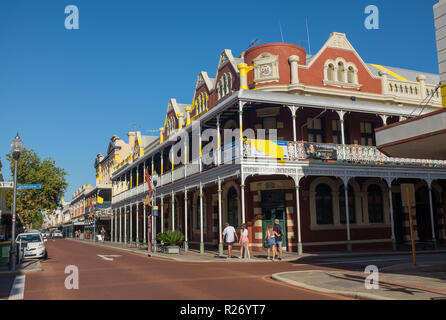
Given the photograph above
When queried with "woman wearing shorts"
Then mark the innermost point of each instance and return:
(271, 241)
(244, 241)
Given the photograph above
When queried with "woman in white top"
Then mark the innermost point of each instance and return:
(244, 241)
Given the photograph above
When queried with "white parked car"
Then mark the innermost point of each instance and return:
(57, 234)
(34, 245)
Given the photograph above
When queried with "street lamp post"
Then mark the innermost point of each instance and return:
(17, 147)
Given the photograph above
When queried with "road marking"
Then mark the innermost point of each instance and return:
(347, 262)
(18, 288)
(108, 257)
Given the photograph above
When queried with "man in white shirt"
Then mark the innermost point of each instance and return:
(229, 235)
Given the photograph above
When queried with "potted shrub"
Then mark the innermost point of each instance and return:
(171, 239)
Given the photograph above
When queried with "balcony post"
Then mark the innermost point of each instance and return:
(145, 223)
(172, 163)
(152, 234)
(384, 119)
(293, 110)
(111, 226)
(299, 233)
(218, 142)
(173, 210)
(125, 225)
(431, 209)
(220, 243)
(116, 225)
(241, 105)
(201, 219)
(389, 186)
(341, 114)
(131, 223)
(162, 214)
(137, 223)
(186, 156)
(199, 145)
(347, 212)
(186, 246)
(120, 225)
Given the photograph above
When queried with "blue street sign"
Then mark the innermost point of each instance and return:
(155, 213)
(29, 186)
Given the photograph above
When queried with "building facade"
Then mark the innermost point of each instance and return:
(304, 153)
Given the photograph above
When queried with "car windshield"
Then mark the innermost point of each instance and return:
(29, 237)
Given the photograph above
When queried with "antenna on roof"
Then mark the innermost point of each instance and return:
(252, 43)
(281, 33)
(308, 36)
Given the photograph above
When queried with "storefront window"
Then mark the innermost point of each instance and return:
(375, 204)
(324, 205)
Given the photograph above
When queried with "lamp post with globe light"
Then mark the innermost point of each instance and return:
(17, 147)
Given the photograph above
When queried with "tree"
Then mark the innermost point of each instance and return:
(31, 203)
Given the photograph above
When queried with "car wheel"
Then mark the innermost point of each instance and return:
(45, 257)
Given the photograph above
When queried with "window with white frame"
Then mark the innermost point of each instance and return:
(367, 133)
(341, 73)
(170, 126)
(315, 130)
(224, 86)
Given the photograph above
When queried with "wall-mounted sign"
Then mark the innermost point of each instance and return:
(320, 151)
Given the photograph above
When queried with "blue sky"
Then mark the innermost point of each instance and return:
(68, 91)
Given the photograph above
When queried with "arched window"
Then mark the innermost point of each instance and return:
(228, 84)
(324, 205)
(330, 72)
(219, 90)
(351, 205)
(232, 205)
(375, 204)
(351, 75)
(341, 72)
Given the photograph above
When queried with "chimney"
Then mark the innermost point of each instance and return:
(132, 137)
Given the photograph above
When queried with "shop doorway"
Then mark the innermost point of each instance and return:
(274, 207)
(398, 217)
(424, 226)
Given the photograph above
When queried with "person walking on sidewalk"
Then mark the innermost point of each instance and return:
(228, 237)
(278, 232)
(244, 241)
(102, 234)
(271, 241)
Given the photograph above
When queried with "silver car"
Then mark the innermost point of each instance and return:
(33, 244)
(56, 234)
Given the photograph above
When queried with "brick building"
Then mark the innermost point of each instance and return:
(324, 109)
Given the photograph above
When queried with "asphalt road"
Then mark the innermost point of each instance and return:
(124, 275)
